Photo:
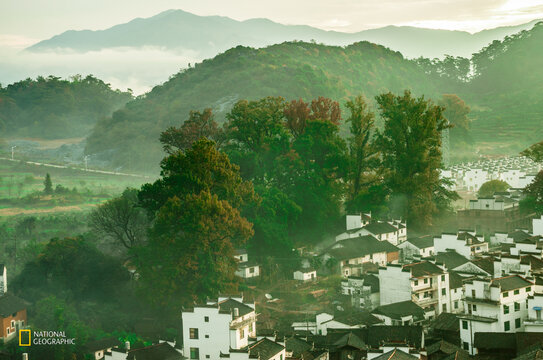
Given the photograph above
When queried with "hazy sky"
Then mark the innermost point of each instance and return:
(23, 22)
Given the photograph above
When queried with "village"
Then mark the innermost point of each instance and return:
(372, 292)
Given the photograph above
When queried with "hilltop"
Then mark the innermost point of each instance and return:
(207, 36)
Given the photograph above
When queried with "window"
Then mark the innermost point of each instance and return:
(469, 308)
(206, 318)
(443, 291)
(473, 293)
(456, 304)
(194, 353)
(13, 323)
(516, 292)
(207, 356)
(250, 327)
(416, 282)
(528, 289)
(7, 330)
(506, 294)
(206, 336)
(252, 270)
(517, 323)
(464, 324)
(241, 333)
(465, 345)
(444, 306)
(426, 281)
(506, 326)
(193, 333)
(474, 307)
(442, 277)
(506, 309)
(517, 306)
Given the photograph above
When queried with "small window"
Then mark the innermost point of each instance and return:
(194, 353)
(13, 323)
(473, 293)
(528, 289)
(464, 324)
(7, 330)
(506, 326)
(416, 282)
(241, 333)
(252, 270)
(506, 294)
(443, 291)
(206, 318)
(456, 304)
(207, 356)
(516, 292)
(465, 345)
(517, 323)
(193, 333)
(442, 277)
(474, 307)
(517, 306)
(426, 281)
(444, 307)
(206, 336)
(506, 309)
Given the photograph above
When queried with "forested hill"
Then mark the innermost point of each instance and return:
(56, 108)
(508, 91)
(292, 70)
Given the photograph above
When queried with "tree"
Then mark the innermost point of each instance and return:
(410, 144)
(48, 184)
(534, 152)
(197, 126)
(121, 219)
(534, 196)
(491, 187)
(197, 205)
(362, 152)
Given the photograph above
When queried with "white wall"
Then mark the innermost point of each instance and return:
(538, 226)
(305, 276)
(394, 285)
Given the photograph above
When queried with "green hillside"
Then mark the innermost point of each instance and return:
(53, 108)
(292, 70)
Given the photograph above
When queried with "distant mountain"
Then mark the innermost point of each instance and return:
(292, 70)
(207, 36)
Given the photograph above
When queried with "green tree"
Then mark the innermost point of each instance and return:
(47, 184)
(410, 144)
(534, 152)
(534, 196)
(491, 187)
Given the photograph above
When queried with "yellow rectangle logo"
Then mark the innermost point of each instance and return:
(22, 340)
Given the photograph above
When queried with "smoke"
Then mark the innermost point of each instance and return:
(124, 68)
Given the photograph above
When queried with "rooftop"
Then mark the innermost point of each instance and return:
(511, 282)
(265, 349)
(395, 354)
(399, 310)
(451, 259)
(423, 268)
(356, 318)
(378, 228)
(422, 242)
(10, 304)
(358, 247)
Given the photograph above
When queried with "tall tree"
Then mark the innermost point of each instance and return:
(491, 187)
(534, 152)
(197, 126)
(47, 184)
(411, 153)
(456, 112)
(362, 152)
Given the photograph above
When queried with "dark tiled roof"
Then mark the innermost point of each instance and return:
(350, 340)
(455, 280)
(531, 260)
(457, 355)
(423, 268)
(511, 282)
(518, 235)
(395, 354)
(297, 346)
(446, 322)
(422, 242)
(375, 336)
(451, 259)
(442, 346)
(470, 239)
(495, 341)
(380, 228)
(400, 309)
(487, 264)
(162, 351)
(357, 318)
(10, 304)
(359, 247)
(230, 304)
(265, 349)
(240, 251)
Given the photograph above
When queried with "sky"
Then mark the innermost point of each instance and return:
(25, 22)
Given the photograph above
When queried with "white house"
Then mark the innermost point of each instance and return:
(465, 243)
(262, 349)
(217, 327)
(306, 274)
(394, 232)
(3, 279)
(357, 251)
(424, 283)
(363, 290)
(400, 313)
(534, 321)
(420, 246)
(497, 305)
(246, 269)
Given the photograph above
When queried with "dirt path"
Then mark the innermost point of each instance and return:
(19, 211)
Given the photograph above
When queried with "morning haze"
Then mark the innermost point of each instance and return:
(271, 180)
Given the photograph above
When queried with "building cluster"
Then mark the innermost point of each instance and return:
(518, 172)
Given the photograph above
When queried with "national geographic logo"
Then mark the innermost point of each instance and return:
(28, 337)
